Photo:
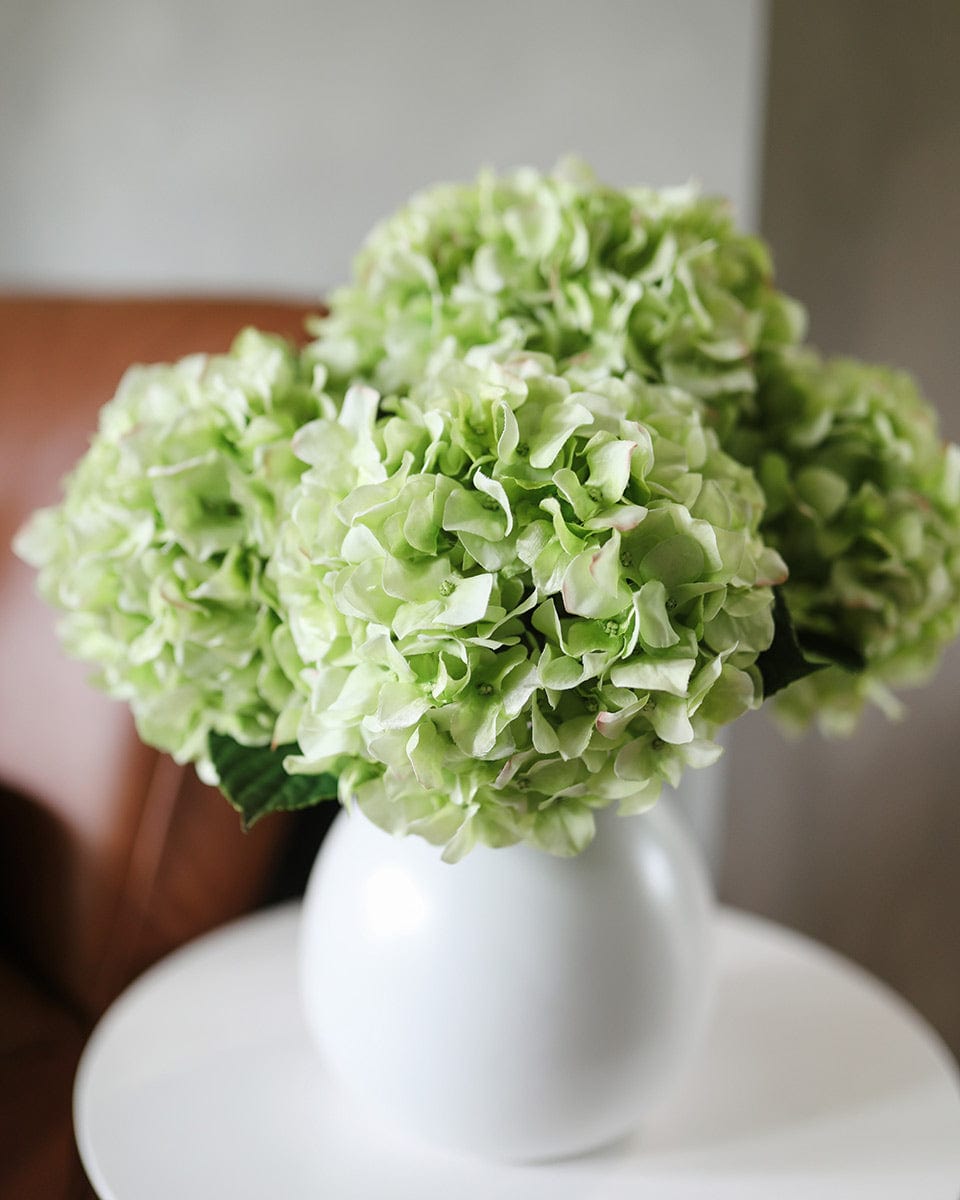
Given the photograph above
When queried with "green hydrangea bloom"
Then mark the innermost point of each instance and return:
(545, 460)
(157, 553)
(519, 600)
(660, 283)
(863, 502)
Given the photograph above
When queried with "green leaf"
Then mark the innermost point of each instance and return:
(822, 646)
(785, 660)
(253, 779)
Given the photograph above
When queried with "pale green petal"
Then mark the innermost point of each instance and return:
(660, 675)
(653, 620)
(592, 586)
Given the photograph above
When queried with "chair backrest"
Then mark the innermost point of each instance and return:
(110, 854)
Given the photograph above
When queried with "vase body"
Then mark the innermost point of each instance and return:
(513, 1005)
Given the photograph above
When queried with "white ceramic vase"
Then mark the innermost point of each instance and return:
(514, 1005)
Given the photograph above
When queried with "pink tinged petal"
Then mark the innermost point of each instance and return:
(623, 518)
(508, 770)
(608, 722)
(639, 434)
(771, 569)
(592, 586)
(612, 724)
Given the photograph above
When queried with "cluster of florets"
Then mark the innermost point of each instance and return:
(501, 546)
(158, 554)
(863, 502)
(860, 491)
(605, 281)
(519, 599)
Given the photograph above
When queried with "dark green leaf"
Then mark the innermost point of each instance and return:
(253, 779)
(784, 661)
(822, 646)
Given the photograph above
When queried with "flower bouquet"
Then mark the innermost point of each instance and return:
(555, 493)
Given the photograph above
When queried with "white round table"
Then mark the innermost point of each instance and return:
(813, 1081)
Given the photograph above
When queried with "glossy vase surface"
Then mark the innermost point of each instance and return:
(513, 1005)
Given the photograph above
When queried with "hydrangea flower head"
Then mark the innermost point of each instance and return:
(660, 283)
(863, 502)
(520, 600)
(157, 555)
(553, 495)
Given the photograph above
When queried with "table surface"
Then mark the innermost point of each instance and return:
(813, 1080)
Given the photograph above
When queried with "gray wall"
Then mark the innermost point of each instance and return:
(230, 144)
(858, 842)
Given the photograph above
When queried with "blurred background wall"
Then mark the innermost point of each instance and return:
(201, 145)
(241, 145)
(858, 842)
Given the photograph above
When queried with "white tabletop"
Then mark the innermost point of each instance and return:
(813, 1081)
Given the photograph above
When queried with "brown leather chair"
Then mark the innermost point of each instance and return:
(110, 854)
